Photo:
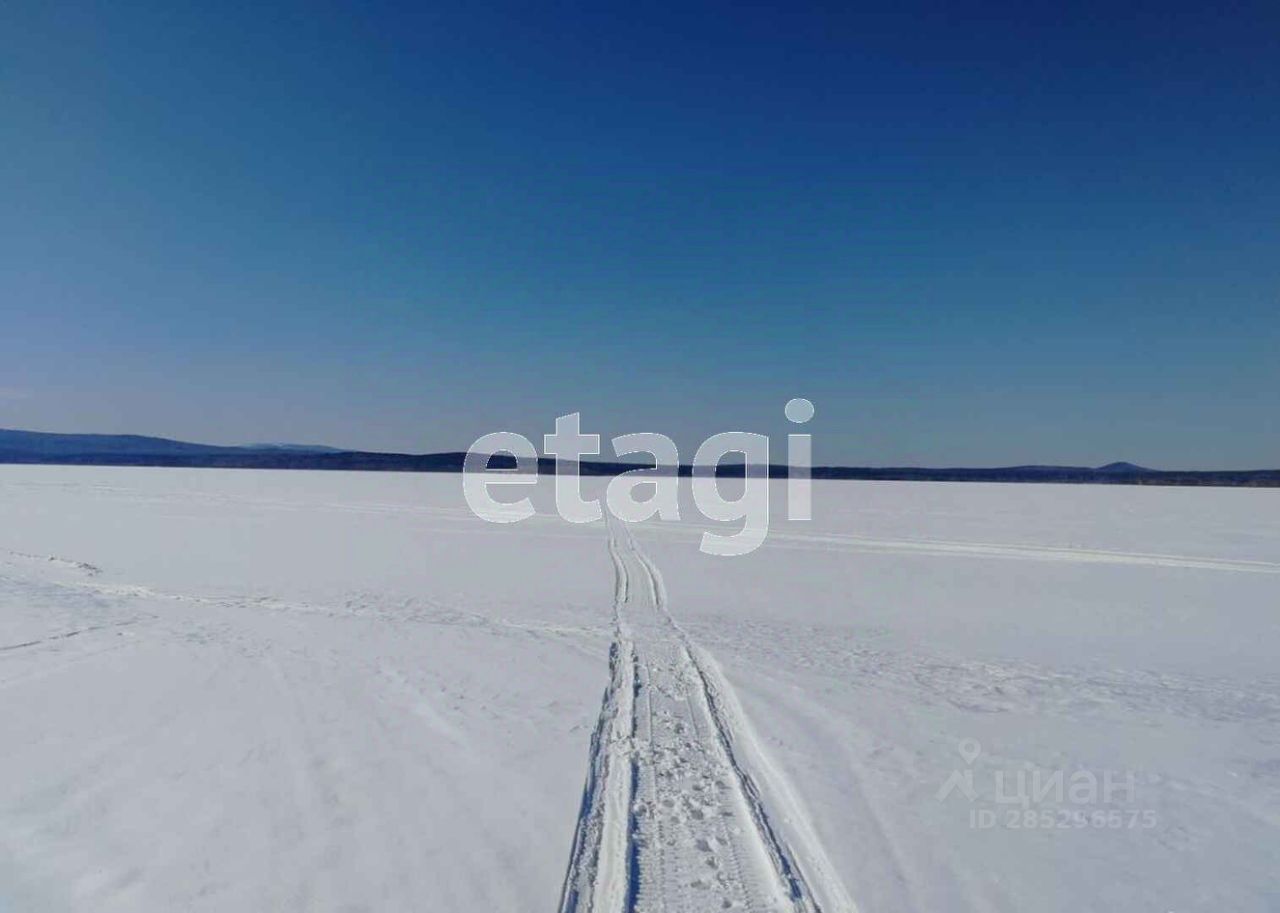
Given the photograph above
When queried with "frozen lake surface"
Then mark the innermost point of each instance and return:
(243, 690)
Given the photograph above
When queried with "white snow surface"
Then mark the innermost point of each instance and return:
(247, 690)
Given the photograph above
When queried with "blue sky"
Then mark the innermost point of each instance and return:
(971, 235)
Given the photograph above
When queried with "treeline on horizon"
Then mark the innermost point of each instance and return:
(244, 458)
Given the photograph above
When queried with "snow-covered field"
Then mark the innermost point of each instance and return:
(241, 690)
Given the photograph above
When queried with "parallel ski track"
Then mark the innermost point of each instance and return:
(671, 817)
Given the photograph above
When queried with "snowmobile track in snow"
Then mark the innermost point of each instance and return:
(673, 817)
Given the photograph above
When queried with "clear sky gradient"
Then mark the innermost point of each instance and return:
(980, 235)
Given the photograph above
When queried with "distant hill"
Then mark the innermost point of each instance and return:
(45, 444)
(295, 448)
(1123, 468)
(35, 447)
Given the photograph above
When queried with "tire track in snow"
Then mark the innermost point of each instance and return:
(598, 875)
(944, 548)
(67, 634)
(673, 816)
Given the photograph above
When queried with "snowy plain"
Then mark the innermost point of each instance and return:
(248, 690)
